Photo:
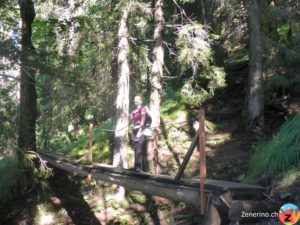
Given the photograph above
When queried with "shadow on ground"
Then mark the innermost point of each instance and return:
(67, 190)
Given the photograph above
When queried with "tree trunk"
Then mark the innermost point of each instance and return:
(122, 103)
(156, 86)
(28, 97)
(254, 100)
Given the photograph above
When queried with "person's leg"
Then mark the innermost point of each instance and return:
(138, 154)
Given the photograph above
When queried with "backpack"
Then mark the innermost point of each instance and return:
(148, 131)
(148, 118)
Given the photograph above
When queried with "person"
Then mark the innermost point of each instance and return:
(138, 117)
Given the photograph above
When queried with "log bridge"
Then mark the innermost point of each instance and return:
(218, 202)
(225, 200)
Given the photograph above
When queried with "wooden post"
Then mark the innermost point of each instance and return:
(202, 160)
(91, 144)
(89, 176)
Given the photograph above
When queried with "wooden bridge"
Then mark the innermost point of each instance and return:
(224, 200)
(218, 201)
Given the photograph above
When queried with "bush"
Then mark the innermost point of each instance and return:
(9, 176)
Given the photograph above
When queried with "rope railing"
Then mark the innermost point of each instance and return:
(129, 126)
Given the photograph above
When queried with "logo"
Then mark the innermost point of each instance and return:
(289, 214)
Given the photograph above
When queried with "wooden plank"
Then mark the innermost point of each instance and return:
(187, 157)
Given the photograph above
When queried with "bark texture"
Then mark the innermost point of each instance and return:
(28, 97)
(254, 100)
(122, 102)
(156, 85)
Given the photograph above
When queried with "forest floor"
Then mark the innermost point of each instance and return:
(70, 200)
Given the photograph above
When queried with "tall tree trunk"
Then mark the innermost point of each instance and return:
(156, 85)
(28, 97)
(122, 103)
(254, 100)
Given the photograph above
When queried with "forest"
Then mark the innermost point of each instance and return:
(69, 74)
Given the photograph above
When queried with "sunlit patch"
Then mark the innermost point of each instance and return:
(46, 219)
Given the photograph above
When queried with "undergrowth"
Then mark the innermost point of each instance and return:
(101, 145)
(8, 170)
(278, 155)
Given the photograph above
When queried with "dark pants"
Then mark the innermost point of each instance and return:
(138, 153)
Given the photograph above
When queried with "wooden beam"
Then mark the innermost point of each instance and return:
(202, 144)
(187, 157)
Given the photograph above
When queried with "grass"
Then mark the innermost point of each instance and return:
(278, 155)
(101, 146)
(290, 177)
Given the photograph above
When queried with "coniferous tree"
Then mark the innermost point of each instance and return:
(122, 102)
(28, 97)
(254, 98)
(156, 82)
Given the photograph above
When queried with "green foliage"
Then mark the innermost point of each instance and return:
(281, 48)
(279, 154)
(172, 99)
(76, 68)
(8, 169)
(283, 74)
(7, 116)
(194, 47)
(289, 177)
(101, 145)
(236, 58)
(196, 91)
(195, 53)
(193, 93)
